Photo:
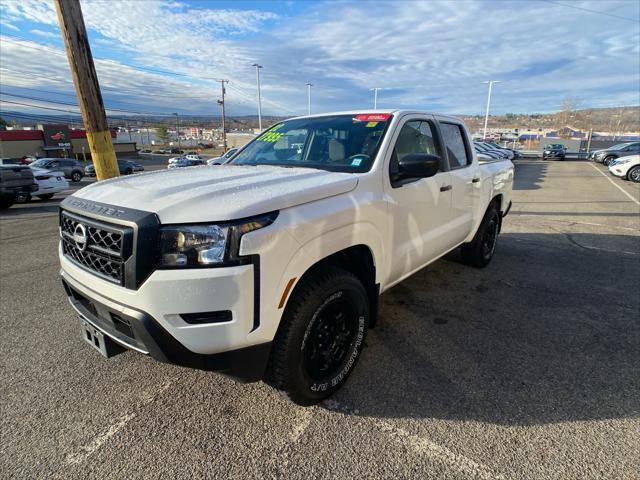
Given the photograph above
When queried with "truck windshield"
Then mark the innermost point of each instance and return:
(340, 143)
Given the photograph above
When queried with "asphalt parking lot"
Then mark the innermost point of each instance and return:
(527, 369)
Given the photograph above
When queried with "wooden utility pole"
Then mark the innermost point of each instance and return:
(85, 80)
(224, 130)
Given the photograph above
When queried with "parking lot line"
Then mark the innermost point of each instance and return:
(614, 184)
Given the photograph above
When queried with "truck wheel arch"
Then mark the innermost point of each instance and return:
(357, 259)
(497, 203)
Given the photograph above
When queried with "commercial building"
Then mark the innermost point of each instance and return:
(52, 140)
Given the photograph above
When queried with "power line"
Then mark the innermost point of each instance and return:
(117, 90)
(138, 67)
(58, 102)
(576, 7)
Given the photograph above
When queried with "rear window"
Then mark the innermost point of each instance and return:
(453, 137)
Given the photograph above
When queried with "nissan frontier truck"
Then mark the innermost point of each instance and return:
(269, 267)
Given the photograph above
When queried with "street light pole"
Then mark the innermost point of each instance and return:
(375, 97)
(486, 116)
(178, 128)
(258, 67)
(309, 85)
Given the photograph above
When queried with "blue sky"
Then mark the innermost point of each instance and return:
(164, 56)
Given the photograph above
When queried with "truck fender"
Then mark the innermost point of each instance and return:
(317, 249)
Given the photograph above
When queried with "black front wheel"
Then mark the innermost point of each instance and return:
(479, 252)
(76, 177)
(321, 336)
(607, 161)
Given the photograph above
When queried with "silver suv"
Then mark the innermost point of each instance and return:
(72, 169)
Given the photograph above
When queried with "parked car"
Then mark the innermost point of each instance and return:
(176, 151)
(554, 150)
(72, 169)
(513, 154)
(490, 151)
(223, 158)
(286, 284)
(626, 167)
(49, 183)
(125, 167)
(185, 162)
(606, 156)
(174, 159)
(194, 156)
(16, 183)
(145, 151)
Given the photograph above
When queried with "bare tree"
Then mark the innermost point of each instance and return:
(567, 115)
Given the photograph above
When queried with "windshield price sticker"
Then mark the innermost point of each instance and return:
(372, 117)
(271, 135)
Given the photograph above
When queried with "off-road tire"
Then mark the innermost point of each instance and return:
(477, 253)
(307, 312)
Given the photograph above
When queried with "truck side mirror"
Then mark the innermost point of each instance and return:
(418, 165)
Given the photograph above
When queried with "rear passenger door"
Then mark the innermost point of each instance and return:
(465, 179)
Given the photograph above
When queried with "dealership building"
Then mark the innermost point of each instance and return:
(53, 140)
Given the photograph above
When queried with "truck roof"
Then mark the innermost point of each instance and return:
(367, 110)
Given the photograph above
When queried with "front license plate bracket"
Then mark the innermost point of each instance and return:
(98, 340)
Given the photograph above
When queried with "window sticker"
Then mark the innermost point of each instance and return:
(371, 124)
(356, 162)
(271, 135)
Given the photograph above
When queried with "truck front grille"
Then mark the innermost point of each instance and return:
(101, 248)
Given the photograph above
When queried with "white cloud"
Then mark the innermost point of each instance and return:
(43, 33)
(427, 54)
(10, 26)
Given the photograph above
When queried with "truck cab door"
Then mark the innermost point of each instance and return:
(465, 180)
(419, 208)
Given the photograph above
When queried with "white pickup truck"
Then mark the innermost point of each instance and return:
(270, 266)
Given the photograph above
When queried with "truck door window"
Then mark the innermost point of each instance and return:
(416, 136)
(453, 137)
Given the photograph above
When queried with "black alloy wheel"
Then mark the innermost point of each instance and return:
(490, 237)
(328, 339)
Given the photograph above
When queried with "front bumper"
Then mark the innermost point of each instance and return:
(618, 170)
(149, 319)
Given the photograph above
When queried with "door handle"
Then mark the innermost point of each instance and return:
(446, 188)
(475, 180)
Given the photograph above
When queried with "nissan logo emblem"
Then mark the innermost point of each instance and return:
(80, 237)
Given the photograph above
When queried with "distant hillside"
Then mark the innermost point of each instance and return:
(622, 119)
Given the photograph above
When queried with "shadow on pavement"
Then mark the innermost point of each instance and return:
(529, 174)
(524, 341)
(34, 206)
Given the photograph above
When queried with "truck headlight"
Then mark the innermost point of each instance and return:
(210, 245)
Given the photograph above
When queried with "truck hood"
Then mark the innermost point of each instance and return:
(218, 193)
